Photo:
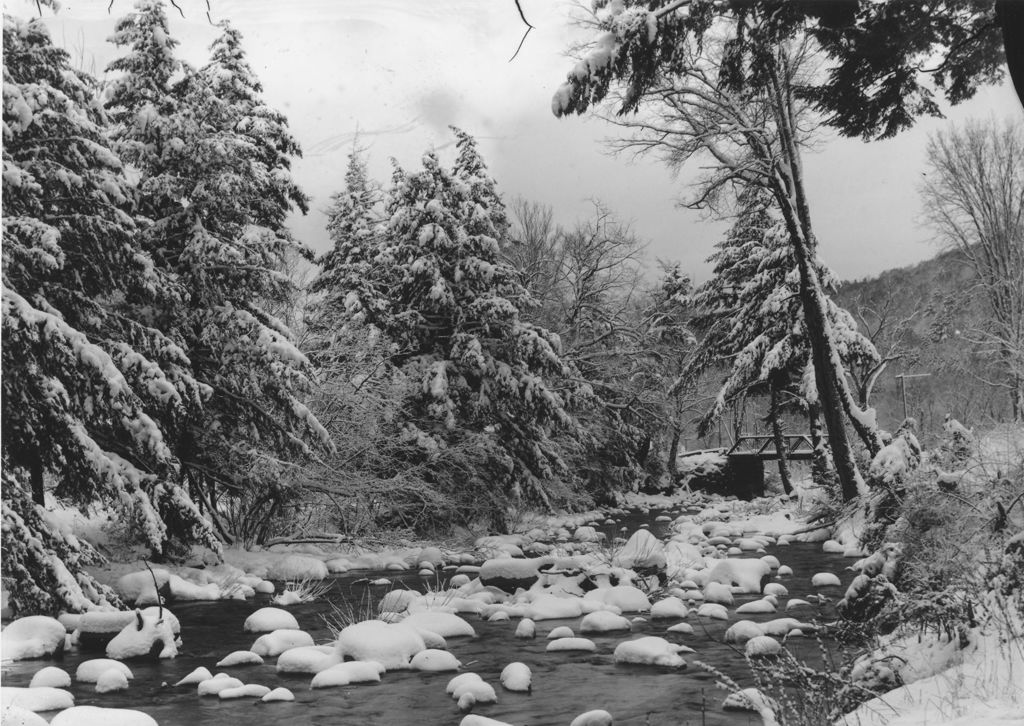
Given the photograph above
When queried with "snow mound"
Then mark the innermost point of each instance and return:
(603, 621)
(713, 610)
(89, 671)
(825, 579)
(96, 716)
(278, 694)
(240, 658)
(756, 607)
(307, 659)
(762, 645)
(218, 683)
(742, 631)
(748, 699)
(566, 644)
(296, 568)
(684, 628)
(51, 676)
(517, 677)
(277, 642)
(447, 625)
(642, 549)
(343, 674)
(143, 635)
(18, 716)
(649, 650)
(670, 607)
(526, 629)
(391, 645)
(562, 631)
(596, 717)
(626, 598)
(434, 661)
(36, 700)
(34, 636)
(476, 720)
(745, 574)
(195, 677)
(111, 680)
(552, 607)
(249, 690)
(267, 620)
(719, 593)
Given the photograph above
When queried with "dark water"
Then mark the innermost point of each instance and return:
(564, 684)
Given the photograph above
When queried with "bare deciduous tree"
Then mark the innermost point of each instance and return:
(973, 196)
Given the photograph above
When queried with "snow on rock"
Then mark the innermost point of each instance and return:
(566, 644)
(782, 626)
(459, 681)
(473, 719)
(785, 571)
(277, 642)
(296, 568)
(552, 607)
(602, 621)
(742, 631)
(138, 588)
(278, 694)
(267, 620)
(587, 534)
(34, 636)
(825, 579)
(762, 645)
(526, 629)
(146, 633)
(562, 631)
(670, 607)
(830, 546)
(307, 659)
(751, 699)
(684, 628)
(110, 680)
(775, 588)
(517, 677)
(745, 574)
(596, 717)
(434, 661)
(626, 598)
(195, 677)
(391, 645)
(51, 676)
(220, 682)
(447, 625)
(344, 674)
(96, 716)
(713, 610)
(249, 690)
(513, 569)
(642, 549)
(18, 716)
(239, 658)
(101, 625)
(89, 671)
(756, 607)
(718, 593)
(36, 700)
(499, 616)
(397, 601)
(797, 603)
(649, 650)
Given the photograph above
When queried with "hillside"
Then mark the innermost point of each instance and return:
(928, 315)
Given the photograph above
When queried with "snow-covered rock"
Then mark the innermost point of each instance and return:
(596, 717)
(756, 607)
(89, 671)
(603, 621)
(626, 598)
(568, 644)
(307, 659)
(278, 694)
(684, 628)
(391, 645)
(447, 625)
(240, 658)
(642, 549)
(18, 716)
(649, 650)
(526, 629)
(552, 607)
(110, 680)
(296, 568)
(517, 677)
(473, 719)
(145, 634)
(267, 620)
(249, 690)
(742, 631)
(562, 631)
(344, 674)
(277, 642)
(743, 573)
(434, 661)
(718, 593)
(96, 716)
(34, 636)
(825, 579)
(51, 676)
(220, 682)
(36, 700)
(762, 645)
(669, 607)
(713, 610)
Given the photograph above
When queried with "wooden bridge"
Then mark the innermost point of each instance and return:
(799, 447)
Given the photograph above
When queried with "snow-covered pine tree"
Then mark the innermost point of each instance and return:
(749, 312)
(215, 188)
(89, 388)
(437, 288)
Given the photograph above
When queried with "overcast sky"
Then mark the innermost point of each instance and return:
(400, 71)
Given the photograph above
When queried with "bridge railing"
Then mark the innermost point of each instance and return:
(798, 446)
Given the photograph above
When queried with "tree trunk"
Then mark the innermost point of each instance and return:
(673, 452)
(780, 442)
(36, 476)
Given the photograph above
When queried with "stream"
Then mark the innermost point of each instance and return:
(564, 684)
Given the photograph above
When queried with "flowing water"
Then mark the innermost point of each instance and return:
(564, 684)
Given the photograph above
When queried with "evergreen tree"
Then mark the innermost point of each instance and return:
(89, 387)
(215, 189)
(430, 277)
